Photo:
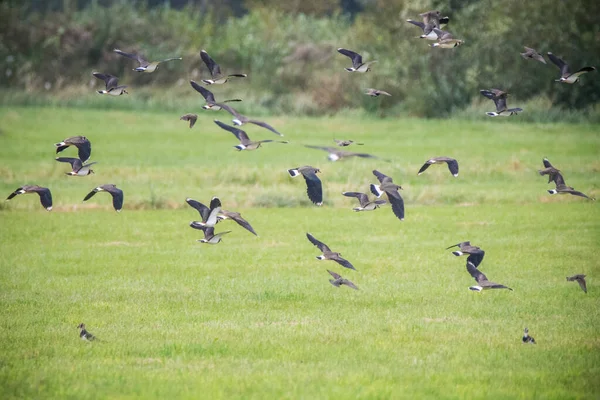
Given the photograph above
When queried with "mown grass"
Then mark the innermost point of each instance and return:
(254, 317)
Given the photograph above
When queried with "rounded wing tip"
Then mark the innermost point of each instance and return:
(319, 204)
(455, 175)
(49, 208)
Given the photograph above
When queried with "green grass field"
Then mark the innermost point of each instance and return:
(255, 317)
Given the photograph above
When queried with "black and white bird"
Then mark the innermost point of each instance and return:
(77, 167)
(211, 103)
(44, 193)
(365, 203)
(387, 186)
(499, 98)
(531, 54)
(328, 254)
(215, 71)
(209, 233)
(116, 193)
(527, 338)
(207, 214)
(191, 118)
(84, 334)
(482, 281)
(314, 188)
(84, 147)
(579, 278)
(357, 61)
(475, 254)
(338, 281)
(566, 75)
(112, 84)
(237, 217)
(452, 164)
(336, 154)
(239, 119)
(242, 136)
(145, 65)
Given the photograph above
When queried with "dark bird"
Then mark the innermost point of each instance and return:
(376, 92)
(499, 98)
(209, 233)
(527, 338)
(44, 193)
(431, 19)
(482, 280)
(239, 119)
(245, 142)
(211, 103)
(117, 195)
(77, 167)
(357, 62)
(445, 40)
(191, 118)
(531, 54)
(475, 253)
(452, 164)
(328, 254)
(145, 65)
(336, 154)
(84, 334)
(314, 189)
(565, 72)
(84, 147)
(215, 71)
(549, 170)
(338, 281)
(387, 186)
(207, 214)
(562, 188)
(344, 143)
(580, 278)
(237, 217)
(365, 203)
(112, 84)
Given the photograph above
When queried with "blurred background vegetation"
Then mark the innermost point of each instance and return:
(48, 50)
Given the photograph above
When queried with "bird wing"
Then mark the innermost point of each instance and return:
(213, 67)
(229, 109)
(381, 177)
(475, 258)
(45, 197)
(335, 276)
(76, 163)
(207, 94)
(201, 208)
(453, 166)
(578, 193)
(547, 163)
(558, 179)
(242, 222)
(582, 284)
(488, 93)
(363, 199)
(417, 23)
(320, 245)
(500, 103)
(117, 196)
(355, 57)
(170, 59)
(343, 262)
(397, 203)
(560, 63)
(239, 134)
(314, 187)
(140, 59)
(475, 273)
(424, 167)
(110, 81)
(348, 283)
(215, 208)
(264, 125)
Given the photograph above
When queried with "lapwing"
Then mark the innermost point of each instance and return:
(145, 65)
(580, 278)
(191, 118)
(335, 154)
(527, 338)
(44, 193)
(482, 281)
(499, 98)
(209, 233)
(475, 254)
(387, 186)
(445, 40)
(111, 82)
(562, 188)
(376, 92)
(338, 281)
(215, 71)
(344, 143)
(237, 217)
(208, 214)
(431, 19)
(452, 164)
(77, 167)
(328, 254)
(211, 103)
(365, 203)
(84, 334)
(116, 193)
(84, 147)
(245, 142)
(239, 119)
(531, 54)
(357, 62)
(565, 72)
(314, 188)
(548, 170)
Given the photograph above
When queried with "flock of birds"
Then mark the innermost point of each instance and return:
(431, 25)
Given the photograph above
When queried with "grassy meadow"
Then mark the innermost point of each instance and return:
(255, 317)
